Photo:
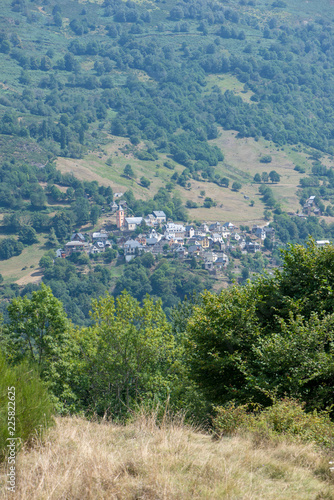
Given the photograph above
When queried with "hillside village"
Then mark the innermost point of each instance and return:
(154, 233)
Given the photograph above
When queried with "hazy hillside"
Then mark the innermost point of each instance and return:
(166, 76)
(207, 110)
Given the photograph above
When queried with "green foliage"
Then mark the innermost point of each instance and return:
(296, 361)
(266, 159)
(145, 182)
(128, 171)
(94, 214)
(304, 285)
(228, 419)
(28, 235)
(274, 176)
(9, 248)
(236, 186)
(285, 419)
(33, 406)
(270, 337)
(209, 202)
(221, 333)
(126, 355)
(39, 331)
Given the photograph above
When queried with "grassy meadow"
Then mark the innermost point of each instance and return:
(82, 459)
(23, 268)
(241, 163)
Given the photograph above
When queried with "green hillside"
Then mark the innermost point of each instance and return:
(166, 77)
(207, 110)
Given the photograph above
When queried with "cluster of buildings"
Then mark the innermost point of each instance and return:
(310, 207)
(78, 243)
(210, 243)
(154, 219)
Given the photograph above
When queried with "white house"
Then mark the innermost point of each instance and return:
(132, 247)
(322, 243)
(100, 236)
(171, 227)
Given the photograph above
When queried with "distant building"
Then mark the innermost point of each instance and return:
(204, 227)
(217, 238)
(215, 227)
(77, 237)
(322, 243)
(132, 247)
(171, 227)
(150, 220)
(222, 261)
(203, 241)
(160, 216)
(252, 247)
(259, 232)
(113, 207)
(190, 231)
(100, 236)
(131, 223)
(209, 259)
(60, 254)
(75, 246)
(228, 225)
(120, 216)
(194, 249)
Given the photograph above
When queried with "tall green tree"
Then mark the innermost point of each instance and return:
(94, 214)
(39, 331)
(221, 333)
(127, 354)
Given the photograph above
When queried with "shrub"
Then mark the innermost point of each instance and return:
(145, 182)
(33, 405)
(286, 418)
(300, 169)
(266, 159)
(236, 186)
(229, 418)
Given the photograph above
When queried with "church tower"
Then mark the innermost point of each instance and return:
(120, 217)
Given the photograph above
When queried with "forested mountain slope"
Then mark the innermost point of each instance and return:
(185, 105)
(69, 68)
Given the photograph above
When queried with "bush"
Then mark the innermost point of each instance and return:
(145, 182)
(229, 418)
(266, 159)
(286, 418)
(10, 248)
(300, 169)
(236, 186)
(33, 405)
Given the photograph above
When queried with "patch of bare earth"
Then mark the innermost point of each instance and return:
(33, 277)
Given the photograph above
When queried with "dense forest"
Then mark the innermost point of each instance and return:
(140, 70)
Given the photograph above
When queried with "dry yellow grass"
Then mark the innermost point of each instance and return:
(87, 460)
(23, 268)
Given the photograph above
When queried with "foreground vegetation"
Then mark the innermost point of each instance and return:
(251, 366)
(251, 344)
(144, 459)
